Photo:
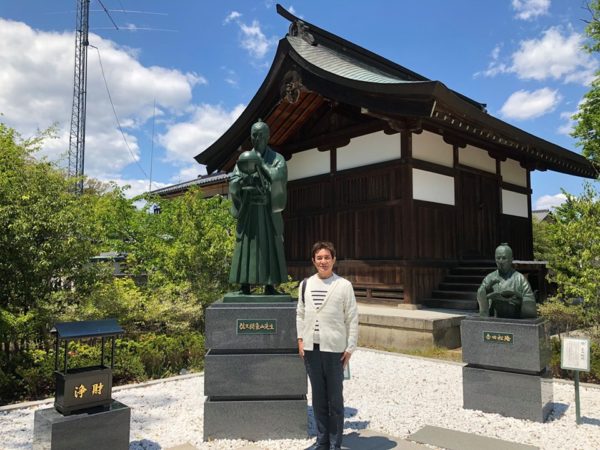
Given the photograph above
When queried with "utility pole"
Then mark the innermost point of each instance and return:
(77, 135)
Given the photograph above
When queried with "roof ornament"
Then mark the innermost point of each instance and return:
(300, 29)
(291, 86)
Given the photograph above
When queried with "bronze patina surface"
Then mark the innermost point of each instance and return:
(506, 292)
(258, 190)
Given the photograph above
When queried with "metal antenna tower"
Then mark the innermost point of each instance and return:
(77, 135)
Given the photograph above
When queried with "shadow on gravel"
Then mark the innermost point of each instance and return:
(590, 421)
(350, 412)
(558, 410)
(357, 425)
(144, 444)
(355, 441)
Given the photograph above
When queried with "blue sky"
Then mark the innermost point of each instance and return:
(194, 65)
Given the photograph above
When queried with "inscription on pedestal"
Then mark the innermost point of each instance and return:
(501, 338)
(256, 326)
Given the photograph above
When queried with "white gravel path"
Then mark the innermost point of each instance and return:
(391, 393)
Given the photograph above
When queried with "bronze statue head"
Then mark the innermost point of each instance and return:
(504, 258)
(259, 135)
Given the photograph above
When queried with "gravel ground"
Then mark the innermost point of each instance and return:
(391, 393)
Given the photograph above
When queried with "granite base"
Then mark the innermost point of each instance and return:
(95, 429)
(222, 321)
(524, 347)
(518, 395)
(256, 420)
(270, 375)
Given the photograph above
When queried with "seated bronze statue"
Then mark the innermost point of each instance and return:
(505, 292)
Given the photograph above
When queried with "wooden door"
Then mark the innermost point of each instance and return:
(478, 218)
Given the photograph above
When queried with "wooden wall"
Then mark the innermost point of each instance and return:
(359, 210)
(388, 241)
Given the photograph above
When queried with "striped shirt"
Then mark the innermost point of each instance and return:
(318, 292)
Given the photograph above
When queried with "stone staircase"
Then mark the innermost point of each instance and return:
(458, 290)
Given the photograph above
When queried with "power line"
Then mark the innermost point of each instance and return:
(115, 114)
(152, 148)
(108, 14)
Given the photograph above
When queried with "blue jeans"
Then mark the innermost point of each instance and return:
(326, 375)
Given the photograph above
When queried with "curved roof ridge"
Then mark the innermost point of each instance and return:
(308, 31)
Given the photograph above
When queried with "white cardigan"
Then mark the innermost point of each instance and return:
(338, 317)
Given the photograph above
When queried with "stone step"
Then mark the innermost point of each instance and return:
(464, 279)
(465, 305)
(471, 270)
(379, 301)
(458, 295)
(448, 286)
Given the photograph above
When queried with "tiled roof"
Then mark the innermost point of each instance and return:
(200, 181)
(341, 64)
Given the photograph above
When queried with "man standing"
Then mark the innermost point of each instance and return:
(506, 292)
(327, 324)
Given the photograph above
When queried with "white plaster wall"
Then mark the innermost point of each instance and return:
(308, 164)
(477, 158)
(431, 147)
(369, 149)
(514, 204)
(433, 187)
(512, 172)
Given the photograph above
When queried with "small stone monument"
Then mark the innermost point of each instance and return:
(84, 415)
(507, 348)
(254, 381)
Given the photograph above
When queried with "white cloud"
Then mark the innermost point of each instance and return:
(550, 201)
(233, 15)
(495, 66)
(252, 38)
(530, 9)
(189, 173)
(569, 123)
(524, 104)
(556, 56)
(185, 140)
(36, 88)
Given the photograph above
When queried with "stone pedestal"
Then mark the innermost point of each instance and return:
(506, 370)
(94, 429)
(254, 380)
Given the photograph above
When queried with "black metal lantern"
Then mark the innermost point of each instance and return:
(84, 387)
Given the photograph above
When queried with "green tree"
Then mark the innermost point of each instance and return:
(574, 255)
(186, 249)
(44, 244)
(587, 128)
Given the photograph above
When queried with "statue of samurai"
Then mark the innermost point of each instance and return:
(257, 188)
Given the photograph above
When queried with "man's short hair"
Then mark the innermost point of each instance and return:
(320, 245)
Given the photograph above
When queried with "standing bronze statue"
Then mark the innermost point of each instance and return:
(506, 292)
(258, 190)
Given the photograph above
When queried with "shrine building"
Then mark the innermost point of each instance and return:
(407, 177)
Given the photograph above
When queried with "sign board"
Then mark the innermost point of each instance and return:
(575, 354)
(497, 337)
(256, 326)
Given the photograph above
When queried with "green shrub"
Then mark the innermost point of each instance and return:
(562, 317)
(30, 375)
